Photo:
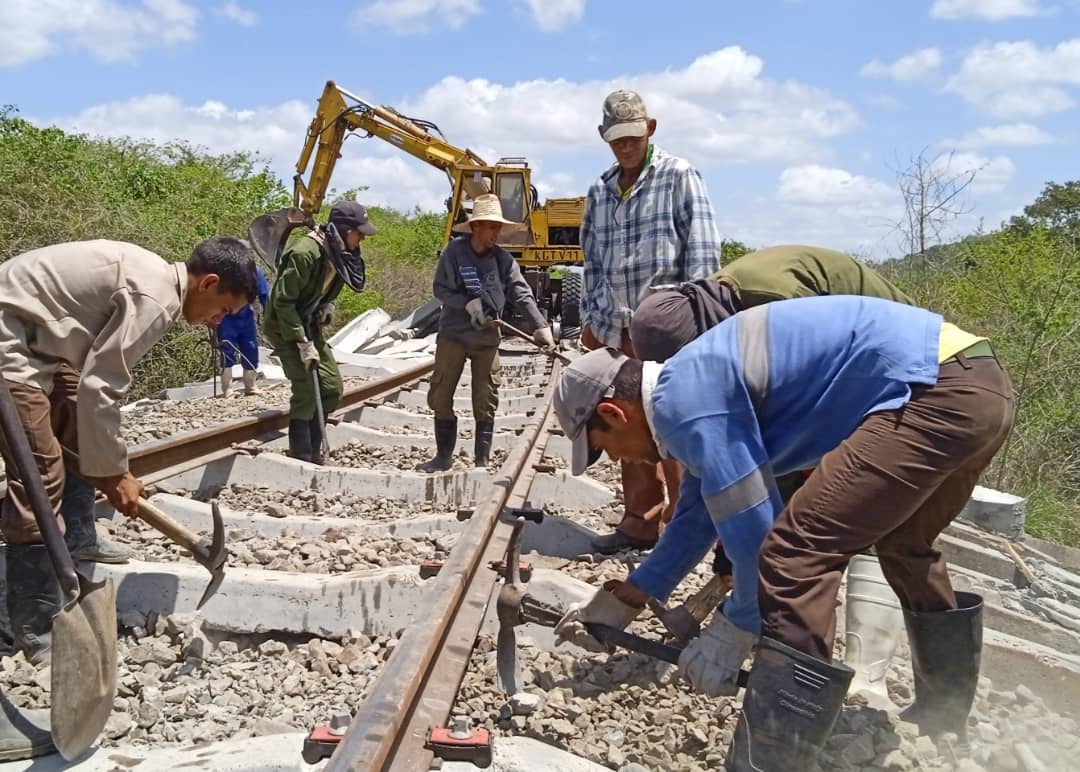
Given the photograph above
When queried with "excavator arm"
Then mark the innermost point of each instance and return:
(340, 112)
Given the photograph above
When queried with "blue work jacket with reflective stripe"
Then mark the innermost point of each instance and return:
(767, 392)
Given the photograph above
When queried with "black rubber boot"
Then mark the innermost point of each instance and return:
(445, 440)
(482, 442)
(791, 703)
(315, 429)
(24, 734)
(81, 536)
(300, 439)
(946, 650)
(33, 599)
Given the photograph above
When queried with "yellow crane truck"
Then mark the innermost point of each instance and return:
(546, 243)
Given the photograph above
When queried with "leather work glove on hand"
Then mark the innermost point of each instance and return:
(475, 309)
(711, 661)
(324, 314)
(543, 338)
(308, 355)
(603, 608)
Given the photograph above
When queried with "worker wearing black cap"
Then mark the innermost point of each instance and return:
(311, 274)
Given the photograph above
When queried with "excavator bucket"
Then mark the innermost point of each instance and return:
(269, 232)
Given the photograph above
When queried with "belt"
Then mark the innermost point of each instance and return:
(979, 350)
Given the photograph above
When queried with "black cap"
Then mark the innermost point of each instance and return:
(351, 216)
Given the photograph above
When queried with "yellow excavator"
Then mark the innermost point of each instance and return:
(545, 242)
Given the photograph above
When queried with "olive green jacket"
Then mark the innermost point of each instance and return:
(796, 271)
(298, 291)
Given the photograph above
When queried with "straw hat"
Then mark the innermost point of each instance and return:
(486, 208)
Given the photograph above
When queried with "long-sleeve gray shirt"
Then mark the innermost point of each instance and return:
(500, 282)
(97, 306)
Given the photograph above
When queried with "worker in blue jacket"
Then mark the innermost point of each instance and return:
(238, 337)
(898, 411)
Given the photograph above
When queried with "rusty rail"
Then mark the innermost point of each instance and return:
(388, 730)
(151, 457)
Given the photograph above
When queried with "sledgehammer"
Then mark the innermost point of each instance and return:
(521, 334)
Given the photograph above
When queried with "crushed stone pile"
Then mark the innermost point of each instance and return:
(177, 684)
(305, 501)
(401, 458)
(626, 709)
(337, 550)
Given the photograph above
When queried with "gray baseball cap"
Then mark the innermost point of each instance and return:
(351, 216)
(587, 381)
(624, 116)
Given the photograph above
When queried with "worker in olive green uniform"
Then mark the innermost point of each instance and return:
(310, 276)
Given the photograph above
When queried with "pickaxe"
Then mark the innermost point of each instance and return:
(209, 553)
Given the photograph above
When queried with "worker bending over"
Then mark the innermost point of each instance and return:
(898, 411)
(311, 273)
(74, 320)
(475, 278)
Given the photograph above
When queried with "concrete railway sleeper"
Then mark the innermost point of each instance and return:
(360, 595)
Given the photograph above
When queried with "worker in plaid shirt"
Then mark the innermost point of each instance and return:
(648, 221)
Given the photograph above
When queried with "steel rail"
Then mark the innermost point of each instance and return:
(383, 726)
(151, 457)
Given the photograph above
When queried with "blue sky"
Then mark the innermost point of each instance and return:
(798, 112)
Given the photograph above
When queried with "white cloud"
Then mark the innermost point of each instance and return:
(415, 16)
(716, 111)
(239, 14)
(991, 174)
(1020, 134)
(821, 186)
(553, 15)
(109, 30)
(1019, 79)
(985, 10)
(915, 66)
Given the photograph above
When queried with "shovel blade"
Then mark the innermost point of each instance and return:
(269, 232)
(83, 668)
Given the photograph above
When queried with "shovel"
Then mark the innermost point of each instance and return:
(84, 630)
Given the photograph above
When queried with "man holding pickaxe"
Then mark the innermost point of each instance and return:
(74, 320)
(310, 275)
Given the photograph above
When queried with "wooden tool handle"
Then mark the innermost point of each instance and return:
(162, 522)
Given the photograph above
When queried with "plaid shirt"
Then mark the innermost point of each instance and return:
(662, 233)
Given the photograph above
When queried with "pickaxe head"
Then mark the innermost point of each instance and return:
(212, 555)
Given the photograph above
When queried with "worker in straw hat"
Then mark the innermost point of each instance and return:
(475, 279)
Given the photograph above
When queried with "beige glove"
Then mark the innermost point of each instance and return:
(604, 608)
(475, 309)
(308, 354)
(711, 661)
(543, 338)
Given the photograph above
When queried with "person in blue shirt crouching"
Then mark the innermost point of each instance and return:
(899, 412)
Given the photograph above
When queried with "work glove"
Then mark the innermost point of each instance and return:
(711, 662)
(543, 338)
(324, 314)
(308, 355)
(475, 309)
(604, 608)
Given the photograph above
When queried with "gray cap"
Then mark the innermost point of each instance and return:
(351, 216)
(624, 116)
(581, 387)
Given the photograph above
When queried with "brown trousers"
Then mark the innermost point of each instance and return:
(49, 420)
(642, 484)
(450, 359)
(894, 484)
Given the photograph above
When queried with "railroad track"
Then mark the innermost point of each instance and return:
(362, 594)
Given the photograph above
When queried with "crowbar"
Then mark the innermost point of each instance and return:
(519, 333)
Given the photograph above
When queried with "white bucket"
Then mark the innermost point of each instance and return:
(874, 622)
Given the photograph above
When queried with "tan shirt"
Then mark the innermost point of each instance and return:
(98, 306)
